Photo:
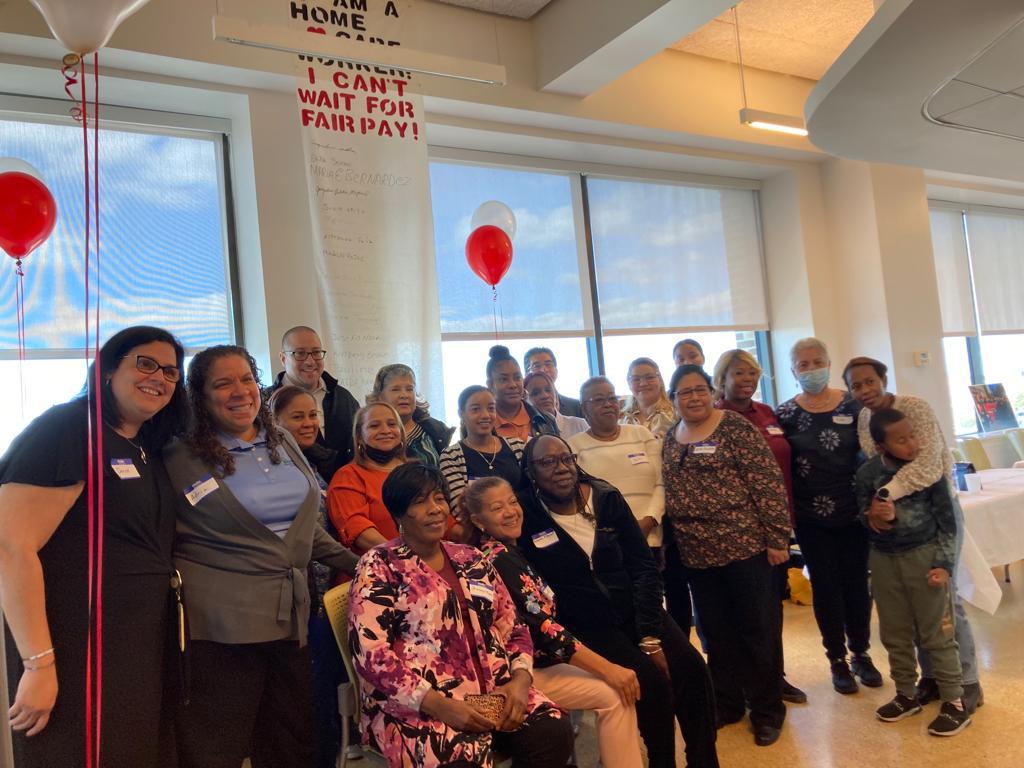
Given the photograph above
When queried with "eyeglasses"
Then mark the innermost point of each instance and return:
(647, 378)
(547, 365)
(148, 365)
(686, 394)
(602, 400)
(548, 463)
(300, 355)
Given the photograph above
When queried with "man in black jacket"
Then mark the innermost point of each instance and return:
(302, 355)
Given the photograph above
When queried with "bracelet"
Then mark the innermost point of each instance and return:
(653, 652)
(47, 652)
(39, 667)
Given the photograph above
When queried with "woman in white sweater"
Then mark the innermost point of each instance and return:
(626, 455)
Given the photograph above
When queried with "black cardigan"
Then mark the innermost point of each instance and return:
(623, 590)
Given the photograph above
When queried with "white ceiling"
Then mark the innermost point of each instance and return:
(519, 9)
(876, 102)
(795, 37)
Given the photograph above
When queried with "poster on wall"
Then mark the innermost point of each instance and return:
(369, 191)
(993, 407)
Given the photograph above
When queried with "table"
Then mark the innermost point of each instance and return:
(993, 534)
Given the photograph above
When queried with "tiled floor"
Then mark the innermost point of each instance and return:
(834, 731)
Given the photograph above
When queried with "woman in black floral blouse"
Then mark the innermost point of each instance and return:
(821, 426)
(565, 670)
(727, 506)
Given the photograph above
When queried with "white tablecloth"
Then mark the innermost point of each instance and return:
(993, 534)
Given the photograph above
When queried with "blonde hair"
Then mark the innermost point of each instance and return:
(357, 428)
(724, 363)
(632, 407)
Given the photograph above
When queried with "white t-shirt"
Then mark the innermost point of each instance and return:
(582, 530)
(632, 463)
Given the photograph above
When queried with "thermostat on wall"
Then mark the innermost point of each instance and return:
(922, 359)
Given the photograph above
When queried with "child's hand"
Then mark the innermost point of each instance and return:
(938, 577)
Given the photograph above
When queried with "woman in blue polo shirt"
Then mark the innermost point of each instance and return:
(246, 531)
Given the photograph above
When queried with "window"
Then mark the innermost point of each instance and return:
(164, 253)
(978, 265)
(670, 261)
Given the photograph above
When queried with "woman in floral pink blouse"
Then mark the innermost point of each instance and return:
(431, 625)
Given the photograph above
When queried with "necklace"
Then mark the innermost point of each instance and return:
(489, 462)
(139, 448)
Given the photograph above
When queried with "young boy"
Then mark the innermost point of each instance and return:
(911, 564)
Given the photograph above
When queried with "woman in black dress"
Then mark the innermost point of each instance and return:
(44, 563)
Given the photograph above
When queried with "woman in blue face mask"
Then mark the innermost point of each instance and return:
(821, 426)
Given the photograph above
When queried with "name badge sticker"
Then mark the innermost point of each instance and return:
(842, 418)
(482, 590)
(125, 469)
(773, 430)
(545, 539)
(200, 489)
(704, 449)
(639, 458)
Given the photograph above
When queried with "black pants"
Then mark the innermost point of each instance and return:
(541, 742)
(328, 673)
(739, 611)
(249, 700)
(837, 559)
(780, 575)
(688, 696)
(677, 588)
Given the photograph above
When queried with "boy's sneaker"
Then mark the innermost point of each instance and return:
(865, 669)
(927, 690)
(842, 680)
(897, 709)
(951, 720)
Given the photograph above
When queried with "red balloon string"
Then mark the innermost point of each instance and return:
(69, 70)
(100, 474)
(494, 309)
(19, 299)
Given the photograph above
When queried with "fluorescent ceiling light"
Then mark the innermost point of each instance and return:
(298, 41)
(772, 121)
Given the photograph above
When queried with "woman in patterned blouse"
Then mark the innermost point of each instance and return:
(430, 624)
(726, 503)
(821, 426)
(572, 675)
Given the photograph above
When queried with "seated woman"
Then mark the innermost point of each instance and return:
(515, 417)
(246, 532)
(354, 501)
(626, 455)
(568, 672)
(480, 452)
(431, 625)
(425, 437)
(648, 404)
(540, 393)
(580, 535)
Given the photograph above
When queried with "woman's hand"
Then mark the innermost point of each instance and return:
(938, 577)
(516, 691)
(660, 662)
(33, 703)
(777, 556)
(623, 681)
(455, 714)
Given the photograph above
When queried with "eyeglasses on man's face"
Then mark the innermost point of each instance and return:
(147, 364)
(300, 355)
(601, 400)
(698, 392)
(548, 463)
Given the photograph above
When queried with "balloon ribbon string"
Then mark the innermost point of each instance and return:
(494, 309)
(100, 475)
(19, 300)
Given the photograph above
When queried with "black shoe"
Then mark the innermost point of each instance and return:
(792, 694)
(842, 680)
(897, 709)
(766, 735)
(864, 669)
(973, 697)
(928, 690)
(951, 720)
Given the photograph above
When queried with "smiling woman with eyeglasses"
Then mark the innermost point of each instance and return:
(44, 573)
(580, 534)
(726, 506)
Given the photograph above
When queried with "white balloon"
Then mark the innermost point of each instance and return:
(497, 214)
(84, 26)
(8, 164)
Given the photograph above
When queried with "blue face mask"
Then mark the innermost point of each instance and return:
(813, 382)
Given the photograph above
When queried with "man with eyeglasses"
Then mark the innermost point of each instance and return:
(542, 360)
(302, 355)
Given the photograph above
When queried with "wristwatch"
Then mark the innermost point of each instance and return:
(882, 494)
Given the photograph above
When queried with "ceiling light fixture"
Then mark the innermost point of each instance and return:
(275, 38)
(756, 118)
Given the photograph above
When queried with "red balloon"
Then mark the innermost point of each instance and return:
(28, 213)
(489, 253)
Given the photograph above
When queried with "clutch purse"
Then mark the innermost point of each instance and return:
(490, 705)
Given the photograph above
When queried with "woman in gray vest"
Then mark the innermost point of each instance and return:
(246, 532)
